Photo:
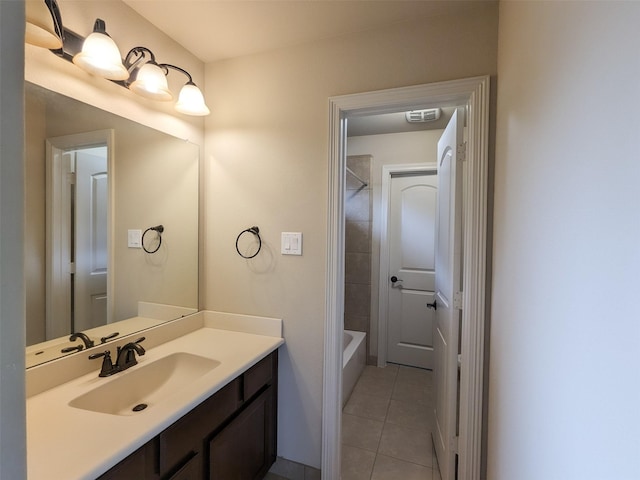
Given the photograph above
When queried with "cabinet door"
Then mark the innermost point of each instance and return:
(245, 449)
(185, 438)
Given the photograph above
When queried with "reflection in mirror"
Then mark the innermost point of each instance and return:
(94, 182)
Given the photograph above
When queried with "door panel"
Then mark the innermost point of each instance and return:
(448, 285)
(411, 234)
(91, 258)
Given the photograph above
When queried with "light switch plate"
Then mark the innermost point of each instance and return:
(134, 238)
(291, 243)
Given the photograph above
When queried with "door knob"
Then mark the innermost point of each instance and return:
(433, 305)
(395, 279)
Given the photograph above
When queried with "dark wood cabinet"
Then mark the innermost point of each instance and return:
(244, 450)
(230, 436)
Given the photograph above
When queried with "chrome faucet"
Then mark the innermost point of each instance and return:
(125, 358)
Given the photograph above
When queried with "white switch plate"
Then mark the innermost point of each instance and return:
(291, 243)
(134, 238)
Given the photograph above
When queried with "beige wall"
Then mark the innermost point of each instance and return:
(266, 165)
(565, 335)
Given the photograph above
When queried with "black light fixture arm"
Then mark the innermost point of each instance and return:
(166, 66)
(140, 54)
(54, 9)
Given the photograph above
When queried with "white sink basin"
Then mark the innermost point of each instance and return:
(145, 386)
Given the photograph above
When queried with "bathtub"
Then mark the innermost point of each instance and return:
(353, 361)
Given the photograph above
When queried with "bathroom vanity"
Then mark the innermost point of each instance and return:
(232, 434)
(200, 404)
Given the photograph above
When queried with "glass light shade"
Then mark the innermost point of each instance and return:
(100, 56)
(151, 82)
(191, 101)
(40, 29)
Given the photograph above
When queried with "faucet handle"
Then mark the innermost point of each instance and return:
(109, 337)
(107, 365)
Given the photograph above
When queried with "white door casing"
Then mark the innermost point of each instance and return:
(474, 93)
(448, 288)
(58, 290)
(411, 273)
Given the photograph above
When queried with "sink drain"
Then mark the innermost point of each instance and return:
(139, 407)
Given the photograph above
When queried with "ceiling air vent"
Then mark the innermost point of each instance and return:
(421, 116)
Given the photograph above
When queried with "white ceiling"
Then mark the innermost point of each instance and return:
(218, 29)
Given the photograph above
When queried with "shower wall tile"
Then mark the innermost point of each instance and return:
(357, 298)
(358, 268)
(358, 237)
(359, 323)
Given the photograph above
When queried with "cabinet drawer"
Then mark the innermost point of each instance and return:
(258, 376)
(184, 438)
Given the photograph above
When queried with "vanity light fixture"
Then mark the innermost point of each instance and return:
(100, 55)
(151, 82)
(190, 99)
(44, 24)
(150, 79)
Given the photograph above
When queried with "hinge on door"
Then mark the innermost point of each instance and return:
(462, 152)
(457, 300)
(454, 444)
(71, 178)
(72, 268)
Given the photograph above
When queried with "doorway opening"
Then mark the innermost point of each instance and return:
(78, 213)
(407, 264)
(474, 94)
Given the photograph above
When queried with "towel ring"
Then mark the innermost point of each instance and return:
(159, 229)
(256, 232)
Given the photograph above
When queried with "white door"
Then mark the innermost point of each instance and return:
(91, 257)
(448, 287)
(411, 234)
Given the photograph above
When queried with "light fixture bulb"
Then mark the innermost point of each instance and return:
(151, 82)
(100, 55)
(191, 101)
(40, 28)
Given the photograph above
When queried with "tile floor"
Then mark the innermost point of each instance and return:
(386, 426)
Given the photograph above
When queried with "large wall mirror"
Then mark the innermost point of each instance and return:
(94, 184)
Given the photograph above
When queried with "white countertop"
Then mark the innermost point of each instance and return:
(68, 443)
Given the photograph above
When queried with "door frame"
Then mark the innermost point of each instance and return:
(474, 93)
(57, 298)
(383, 271)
